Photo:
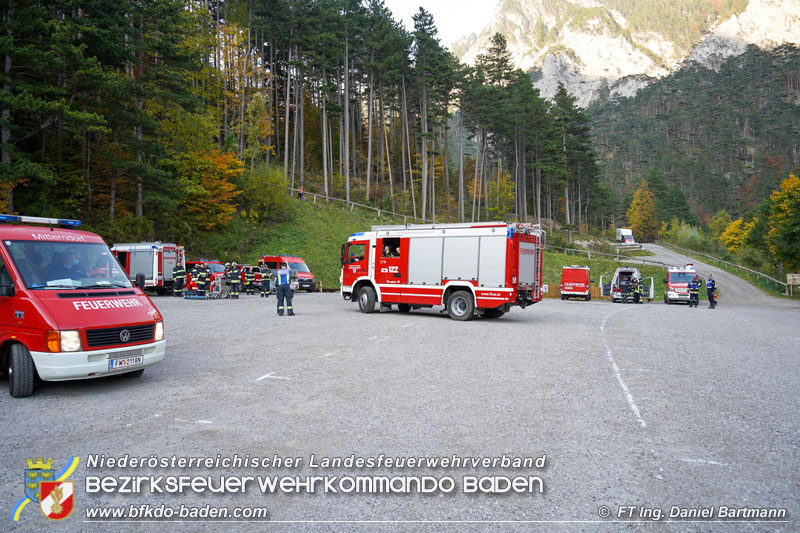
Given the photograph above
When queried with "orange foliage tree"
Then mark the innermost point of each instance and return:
(210, 194)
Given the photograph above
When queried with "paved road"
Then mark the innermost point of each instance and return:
(649, 405)
(733, 290)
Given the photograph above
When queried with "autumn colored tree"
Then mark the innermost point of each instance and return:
(209, 191)
(736, 233)
(720, 222)
(784, 222)
(642, 214)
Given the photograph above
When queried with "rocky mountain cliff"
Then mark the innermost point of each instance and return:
(618, 46)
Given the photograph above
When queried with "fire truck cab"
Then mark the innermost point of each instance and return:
(153, 259)
(676, 284)
(575, 282)
(67, 308)
(480, 269)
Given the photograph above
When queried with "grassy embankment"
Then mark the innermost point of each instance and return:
(316, 233)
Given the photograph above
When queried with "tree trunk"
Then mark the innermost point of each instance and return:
(286, 116)
(424, 150)
(324, 141)
(461, 162)
(369, 131)
(408, 146)
(346, 120)
(5, 130)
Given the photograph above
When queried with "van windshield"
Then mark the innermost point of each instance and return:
(51, 265)
(300, 267)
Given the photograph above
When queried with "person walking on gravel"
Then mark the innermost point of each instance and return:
(711, 290)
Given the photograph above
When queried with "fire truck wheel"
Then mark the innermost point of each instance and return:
(460, 306)
(493, 313)
(20, 372)
(587, 297)
(563, 297)
(404, 308)
(134, 374)
(366, 299)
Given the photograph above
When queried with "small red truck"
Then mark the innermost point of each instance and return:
(305, 279)
(676, 284)
(67, 308)
(480, 269)
(575, 282)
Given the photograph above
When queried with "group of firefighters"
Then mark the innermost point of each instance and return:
(635, 290)
(711, 291)
(232, 278)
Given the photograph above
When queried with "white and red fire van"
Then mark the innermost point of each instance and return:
(676, 284)
(67, 308)
(480, 269)
(153, 259)
(575, 282)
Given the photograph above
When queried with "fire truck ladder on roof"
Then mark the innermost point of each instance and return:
(458, 225)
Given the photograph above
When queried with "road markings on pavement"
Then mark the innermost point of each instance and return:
(704, 461)
(411, 324)
(157, 415)
(270, 376)
(326, 355)
(205, 421)
(628, 395)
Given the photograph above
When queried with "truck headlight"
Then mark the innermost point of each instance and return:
(70, 341)
(159, 331)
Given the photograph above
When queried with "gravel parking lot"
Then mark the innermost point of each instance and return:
(649, 406)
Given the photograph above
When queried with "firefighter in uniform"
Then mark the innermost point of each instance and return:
(694, 291)
(265, 275)
(640, 289)
(236, 280)
(283, 281)
(711, 290)
(202, 279)
(249, 280)
(178, 277)
(635, 289)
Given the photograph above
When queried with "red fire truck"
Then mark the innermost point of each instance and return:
(676, 284)
(153, 259)
(67, 308)
(575, 282)
(480, 269)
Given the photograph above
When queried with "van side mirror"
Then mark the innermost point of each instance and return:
(342, 256)
(139, 280)
(665, 280)
(591, 280)
(7, 290)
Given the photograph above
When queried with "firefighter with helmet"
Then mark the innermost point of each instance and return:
(694, 291)
(178, 277)
(236, 280)
(283, 282)
(711, 292)
(225, 280)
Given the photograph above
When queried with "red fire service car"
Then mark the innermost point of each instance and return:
(575, 282)
(216, 269)
(676, 284)
(67, 308)
(305, 279)
(480, 269)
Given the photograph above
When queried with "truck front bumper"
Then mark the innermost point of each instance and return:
(65, 366)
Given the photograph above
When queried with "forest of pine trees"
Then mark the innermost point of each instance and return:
(168, 119)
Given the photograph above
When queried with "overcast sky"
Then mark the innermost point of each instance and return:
(454, 18)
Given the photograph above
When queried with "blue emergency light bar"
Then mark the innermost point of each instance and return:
(40, 220)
